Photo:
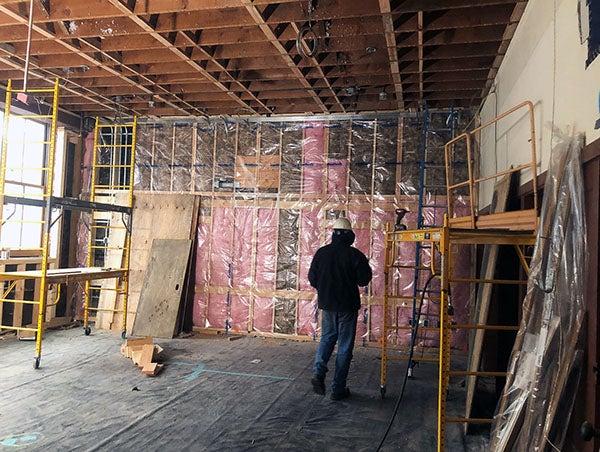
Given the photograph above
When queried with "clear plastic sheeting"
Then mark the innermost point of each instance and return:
(269, 193)
(534, 410)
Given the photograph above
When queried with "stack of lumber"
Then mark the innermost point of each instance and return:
(143, 352)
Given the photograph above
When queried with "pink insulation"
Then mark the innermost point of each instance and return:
(314, 158)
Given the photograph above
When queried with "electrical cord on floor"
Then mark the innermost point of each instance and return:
(410, 357)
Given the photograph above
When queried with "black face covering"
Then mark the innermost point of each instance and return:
(343, 236)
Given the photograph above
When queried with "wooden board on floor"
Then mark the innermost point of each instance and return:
(484, 293)
(161, 292)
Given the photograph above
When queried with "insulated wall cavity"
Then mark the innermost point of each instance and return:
(269, 193)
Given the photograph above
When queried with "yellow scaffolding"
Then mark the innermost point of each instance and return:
(40, 199)
(517, 228)
(112, 176)
(442, 240)
(40, 196)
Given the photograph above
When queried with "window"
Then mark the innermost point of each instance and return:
(25, 156)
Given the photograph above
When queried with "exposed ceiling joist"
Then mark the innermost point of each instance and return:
(241, 57)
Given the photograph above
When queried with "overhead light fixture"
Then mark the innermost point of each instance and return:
(383, 95)
(371, 49)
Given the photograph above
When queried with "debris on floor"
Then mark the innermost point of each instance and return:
(143, 353)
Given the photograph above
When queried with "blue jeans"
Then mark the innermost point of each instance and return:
(337, 327)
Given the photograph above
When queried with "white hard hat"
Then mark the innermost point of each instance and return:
(342, 223)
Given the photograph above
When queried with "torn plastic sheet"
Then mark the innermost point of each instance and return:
(269, 192)
(534, 410)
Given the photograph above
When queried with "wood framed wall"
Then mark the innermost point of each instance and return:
(268, 195)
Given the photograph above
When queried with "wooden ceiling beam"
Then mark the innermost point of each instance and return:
(174, 6)
(469, 17)
(390, 37)
(204, 20)
(413, 6)
(329, 10)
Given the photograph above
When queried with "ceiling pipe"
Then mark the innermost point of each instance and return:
(29, 29)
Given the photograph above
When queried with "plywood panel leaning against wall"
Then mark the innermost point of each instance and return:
(161, 294)
(156, 216)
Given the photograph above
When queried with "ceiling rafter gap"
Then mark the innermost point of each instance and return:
(390, 39)
(171, 37)
(214, 77)
(280, 29)
(268, 11)
(266, 29)
(152, 31)
(153, 21)
(45, 4)
(319, 68)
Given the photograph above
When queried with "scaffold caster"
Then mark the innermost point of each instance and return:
(124, 335)
(36, 362)
(382, 392)
(87, 330)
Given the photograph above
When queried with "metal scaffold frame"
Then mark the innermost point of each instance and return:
(112, 176)
(472, 229)
(442, 239)
(44, 277)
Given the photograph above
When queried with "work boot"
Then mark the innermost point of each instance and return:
(340, 395)
(318, 384)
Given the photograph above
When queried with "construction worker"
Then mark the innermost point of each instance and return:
(336, 271)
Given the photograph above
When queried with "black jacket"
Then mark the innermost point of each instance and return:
(336, 272)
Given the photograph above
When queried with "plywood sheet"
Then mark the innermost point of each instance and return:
(155, 216)
(117, 235)
(161, 292)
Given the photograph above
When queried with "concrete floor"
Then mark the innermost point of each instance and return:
(213, 394)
